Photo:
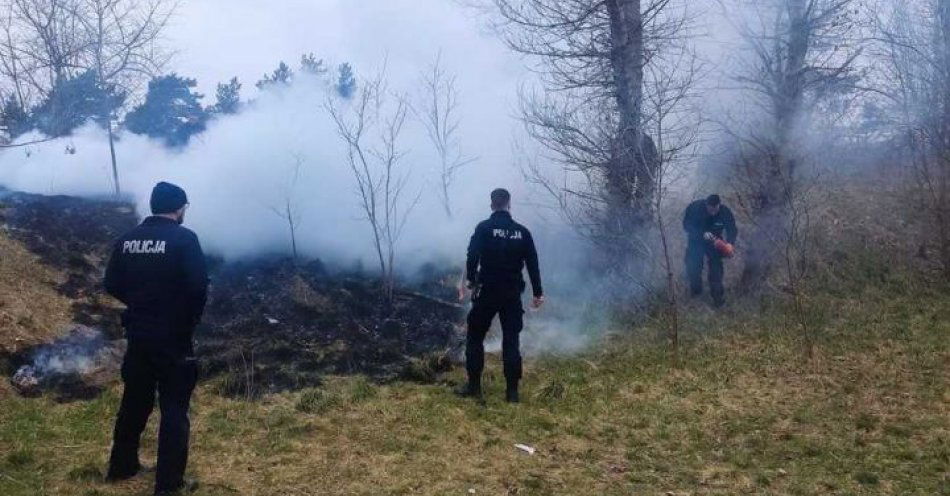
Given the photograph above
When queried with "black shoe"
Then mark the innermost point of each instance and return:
(511, 395)
(187, 486)
(115, 475)
(469, 390)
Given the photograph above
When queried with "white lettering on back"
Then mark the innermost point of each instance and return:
(504, 233)
(147, 246)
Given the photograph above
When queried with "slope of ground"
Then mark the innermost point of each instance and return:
(26, 285)
(745, 413)
(271, 324)
(73, 237)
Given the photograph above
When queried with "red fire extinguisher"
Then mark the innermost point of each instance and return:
(724, 248)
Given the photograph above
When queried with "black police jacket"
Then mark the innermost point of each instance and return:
(697, 221)
(498, 252)
(158, 271)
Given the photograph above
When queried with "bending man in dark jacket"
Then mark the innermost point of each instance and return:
(704, 222)
(497, 253)
(158, 271)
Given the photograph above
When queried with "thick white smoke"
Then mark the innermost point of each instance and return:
(238, 170)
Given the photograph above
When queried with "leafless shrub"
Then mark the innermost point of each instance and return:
(371, 129)
(671, 118)
(439, 114)
(289, 209)
(913, 42)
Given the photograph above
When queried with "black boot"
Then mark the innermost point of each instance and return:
(118, 475)
(187, 486)
(718, 301)
(471, 389)
(511, 393)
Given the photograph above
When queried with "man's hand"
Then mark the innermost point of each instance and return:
(537, 302)
(709, 236)
(465, 288)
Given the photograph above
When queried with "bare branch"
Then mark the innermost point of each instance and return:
(372, 131)
(439, 116)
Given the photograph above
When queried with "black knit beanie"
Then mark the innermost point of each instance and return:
(167, 198)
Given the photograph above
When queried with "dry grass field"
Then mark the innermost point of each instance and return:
(745, 413)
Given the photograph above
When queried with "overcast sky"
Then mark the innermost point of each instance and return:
(218, 39)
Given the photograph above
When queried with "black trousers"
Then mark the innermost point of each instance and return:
(511, 314)
(698, 252)
(149, 368)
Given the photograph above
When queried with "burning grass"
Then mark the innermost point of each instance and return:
(745, 413)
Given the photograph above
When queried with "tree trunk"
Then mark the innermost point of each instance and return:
(630, 173)
(289, 211)
(671, 288)
(769, 216)
(770, 204)
(115, 167)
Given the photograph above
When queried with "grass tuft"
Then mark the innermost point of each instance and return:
(317, 400)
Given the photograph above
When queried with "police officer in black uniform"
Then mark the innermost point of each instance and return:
(704, 222)
(497, 253)
(158, 271)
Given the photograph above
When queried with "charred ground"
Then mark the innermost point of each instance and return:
(271, 324)
(274, 325)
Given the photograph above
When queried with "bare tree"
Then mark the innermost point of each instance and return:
(438, 114)
(914, 44)
(372, 129)
(12, 70)
(589, 116)
(289, 209)
(802, 57)
(124, 47)
(802, 52)
(670, 117)
(48, 41)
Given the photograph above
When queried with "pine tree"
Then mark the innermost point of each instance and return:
(228, 97)
(72, 102)
(281, 76)
(346, 81)
(171, 111)
(14, 119)
(310, 64)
